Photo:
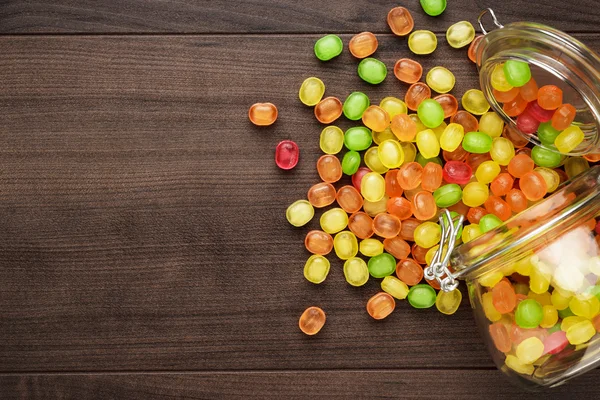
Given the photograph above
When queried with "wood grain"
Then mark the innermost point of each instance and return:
(245, 16)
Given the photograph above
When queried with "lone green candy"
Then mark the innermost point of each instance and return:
(358, 138)
(547, 134)
(423, 161)
(355, 105)
(545, 158)
(350, 162)
(477, 142)
(489, 222)
(447, 195)
(372, 70)
(430, 113)
(529, 313)
(328, 47)
(433, 7)
(421, 296)
(517, 73)
(382, 265)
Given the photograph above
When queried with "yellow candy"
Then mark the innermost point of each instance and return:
(513, 363)
(575, 165)
(539, 278)
(570, 321)
(299, 213)
(331, 140)
(311, 91)
(316, 268)
(581, 332)
(372, 187)
(585, 305)
(431, 252)
(498, 79)
(487, 171)
(428, 234)
(448, 302)
(550, 176)
(417, 120)
(372, 208)
(559, 300)
(373, 162)
(410, 152)
(395, 287)
(529, 350)
(428, 144)
(345, 245)
(452, 137)
(475, 194)
(390, 153)
(474, 102)
(523, 267)
(334, 220)
(393, 106)
(569, 139)
(488, 306)
(470, 232)
(490, 279)
(422, 42)
(440, 79)
(387, 134)
(371, 247)
(543, 298)
(503, 150)
(491, 124)
(439, 130)
(550, 317)
(460, 34)
(356, 271)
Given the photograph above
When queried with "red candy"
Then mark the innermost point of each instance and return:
(358, 175)
(538, 112)
(287, 154)
(457, 172)
(527, 123)
(555, 343)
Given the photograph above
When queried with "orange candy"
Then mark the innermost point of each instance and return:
(318, 242)
(407, 232)
(459, 154)
(533, 186)
(498, 207)
(520, 164)
(312, 320)
(349, 199)
(460, 208)
(593, 157)
(321, 194)
(475, 213)
(363, 44)
(328, 110)
(467, 120)
(409, 272)
(502, 184)
(400, 21)
(474, 160)
(504, 97)
(563, 117)
(386, 225)
(408, 71)
(400, 207)
(515, 107)
(419, 253)
(410, 175)
(516, 200)
(504, 297)
(392, 186)
(416, 93)
(549, 97)
(449, 104)
(376, 118)
(529, 91)
(361, 224)
(500, 337)
(432, 177)
(404, 128)
(329, 168)
(397, 247)
(262, 114)
(472, 52)
(381, 305)
(424, 207)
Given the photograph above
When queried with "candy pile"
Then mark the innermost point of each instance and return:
(409, 159)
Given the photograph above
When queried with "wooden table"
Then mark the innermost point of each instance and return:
(144, 251)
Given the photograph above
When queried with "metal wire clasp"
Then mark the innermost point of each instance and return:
(438, 269)
(494, 19)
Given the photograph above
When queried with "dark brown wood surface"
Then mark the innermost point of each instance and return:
(144, 251)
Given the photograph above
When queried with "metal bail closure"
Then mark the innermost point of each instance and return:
(438, 269)
(494, 20)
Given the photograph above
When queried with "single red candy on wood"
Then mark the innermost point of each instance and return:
(287, 154)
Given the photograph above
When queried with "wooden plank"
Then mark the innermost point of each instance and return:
(143, 217)
(243, 16)
(413, 384)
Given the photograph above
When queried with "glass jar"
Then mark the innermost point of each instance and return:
(534, 284)
(555, 58)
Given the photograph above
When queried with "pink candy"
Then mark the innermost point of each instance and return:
(538, 112)
(287, 154)
(457, 172)
(527, 123)
(555, 343)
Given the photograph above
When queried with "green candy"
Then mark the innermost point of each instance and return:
(529, 314)
(489, 222)
(453, 216)
(517, 73)
(382, 265)
(358, 138)
(547, 134)
(433, 7)
(372, 71)
(447, 195)
(477, 142)
(350, 162)
(421, 296)
(555, 328)
(545, 158)
(355, 105)
(423, 161)
(566, 313)
(430, 113)
(328, 47)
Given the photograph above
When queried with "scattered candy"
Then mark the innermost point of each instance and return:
(400, 21)
(311, 91)
(460, 34)
(328, 47)
(316, 269)
(433, 7)
(407, 70)
(328, 110)
(440, 79)
(355, 105)
(331, 140)
(287, 154)
(299, 213)
(318, 242)
(422, 42)
(381, 305)
(363, 45)
(416, 93)
(262, 114)
(372, 71)
(312, 320)
(421, 296)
